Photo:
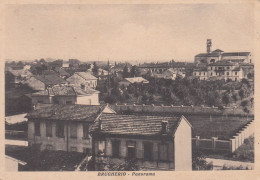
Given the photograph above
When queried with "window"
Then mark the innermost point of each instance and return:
(131, 150)
(37, 129)
(235, 73)
(211, 73)
(68, 102)
(40, 102)
(148, 151)
(73, 130)
(115, 148)
(211, 68)
(163, 152)
(48, 129)
(60, 130)
(73, 149)
(228, 73)
(200, 73)
(85, 131)
(204, 73)
(227, 67)
(235, 79)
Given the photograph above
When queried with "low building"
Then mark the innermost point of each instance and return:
(154, 142)
(42, 82)
(83, 79)
(127, 81)
(66, 95)
(13, 165)
(63, 127)
(14, 77)
(170, 73)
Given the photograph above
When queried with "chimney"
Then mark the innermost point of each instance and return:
(164, 127)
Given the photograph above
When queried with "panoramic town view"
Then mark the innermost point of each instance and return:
(147, 114)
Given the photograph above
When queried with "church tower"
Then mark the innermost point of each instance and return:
(208, 45)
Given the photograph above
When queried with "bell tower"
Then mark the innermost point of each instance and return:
(209, 43)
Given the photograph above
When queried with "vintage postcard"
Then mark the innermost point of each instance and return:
(129, 90)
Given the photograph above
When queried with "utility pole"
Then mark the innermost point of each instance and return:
(108, 78)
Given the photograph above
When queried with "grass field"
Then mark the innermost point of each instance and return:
(219, 126)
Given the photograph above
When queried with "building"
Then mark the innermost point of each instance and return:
(13, 165)
(128, 81)
(170, 73)
(63, 127)
(218, 55)
(42, 82)
(14, 77)
(201, 73)
(219, 70)
(155, 142)
(83, 79)
(66, 95)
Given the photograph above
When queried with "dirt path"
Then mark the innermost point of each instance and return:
(219, 163)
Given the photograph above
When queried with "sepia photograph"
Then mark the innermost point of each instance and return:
(112, 88)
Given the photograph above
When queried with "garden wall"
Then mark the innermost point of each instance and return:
(196, 110)
(231, 145)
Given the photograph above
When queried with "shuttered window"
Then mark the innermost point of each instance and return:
(148, 150)
(60, 130)
(85, 131)
(37, 131)
(48, 129)
(73, 130)
(163, 152)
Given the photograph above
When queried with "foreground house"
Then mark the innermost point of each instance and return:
(66, 95)
(161, 143)
(66, 128)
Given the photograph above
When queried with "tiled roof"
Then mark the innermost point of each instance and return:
(134, 124)
(51, 79)
(136, 80)
(85, 75)
(49, 72)
(207, 55)
(217, 50)
(20, 72)
(73, 112)
(62, 72)
(65, 91)
(236, 54)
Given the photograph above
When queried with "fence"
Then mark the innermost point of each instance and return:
(196, 110)
(230, 145)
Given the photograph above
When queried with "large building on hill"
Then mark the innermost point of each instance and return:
(218, 55)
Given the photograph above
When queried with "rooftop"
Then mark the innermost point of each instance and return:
(50, 79)
(20, 72)
(207, 55)
(85, 75)
(135, 124)
(65, 91)
(74, 112)
(236, 54)
(137, 80)
(222, 63)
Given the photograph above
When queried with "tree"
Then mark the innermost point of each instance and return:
(95, 69)
(125, 72)
(134, 71)
(199, 162)
(241, 93)
(252, 102)
(226, 98)
(234, 97)
(244, 103)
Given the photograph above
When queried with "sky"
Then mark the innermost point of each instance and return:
(139, 32)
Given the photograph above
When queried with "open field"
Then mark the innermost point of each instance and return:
(217, 126)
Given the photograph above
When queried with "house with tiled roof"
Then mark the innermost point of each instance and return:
(15, 77)
(63, 127)
(66, 95)
(83, 79)
(154, 142)
(41, 82)
(127, 81)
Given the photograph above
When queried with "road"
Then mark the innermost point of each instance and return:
(219, 163)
